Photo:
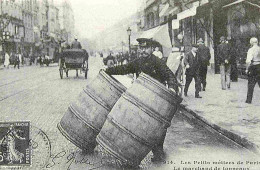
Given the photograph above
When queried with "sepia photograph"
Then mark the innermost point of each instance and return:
(130, 84)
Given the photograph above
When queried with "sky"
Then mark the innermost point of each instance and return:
(94, 16)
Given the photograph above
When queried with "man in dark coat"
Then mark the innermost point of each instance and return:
(223, 54)
(76, 44)
(204, 57)
(110, 60)
(233, 60)
(156, 68)
(192, 65)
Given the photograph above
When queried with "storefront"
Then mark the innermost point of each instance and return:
(239, 20)
(243, 23)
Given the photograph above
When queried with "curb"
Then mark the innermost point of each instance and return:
(192, 117)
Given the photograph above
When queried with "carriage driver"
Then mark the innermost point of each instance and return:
(156, 68)
(76, 44)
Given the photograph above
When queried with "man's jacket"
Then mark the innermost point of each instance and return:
(150, 65)
(203, 55)
(193, 62)
(76, 45)
(223, 53)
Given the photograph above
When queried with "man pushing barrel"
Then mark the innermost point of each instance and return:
(156, 68)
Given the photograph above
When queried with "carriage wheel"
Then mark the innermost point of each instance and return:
(77, 74)
(86, 69)
(86, 73)
(61, 73)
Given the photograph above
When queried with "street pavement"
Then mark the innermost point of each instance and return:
(37, 94)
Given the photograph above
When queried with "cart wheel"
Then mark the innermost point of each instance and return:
(61, 73)
(86, 73)
(77, 74)
(67, 73)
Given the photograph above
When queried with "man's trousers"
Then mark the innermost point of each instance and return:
(253, 77)
(225, 75)
(158, 149)
(188, 81)
(203, 75)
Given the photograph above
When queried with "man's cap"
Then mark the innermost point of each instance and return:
(76, 37)
(195, 45)
(144, 42)
(200, 41)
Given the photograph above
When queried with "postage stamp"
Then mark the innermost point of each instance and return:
(15, 149)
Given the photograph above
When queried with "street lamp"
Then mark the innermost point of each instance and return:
(129, 34)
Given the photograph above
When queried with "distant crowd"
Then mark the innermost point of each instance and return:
(120, 58)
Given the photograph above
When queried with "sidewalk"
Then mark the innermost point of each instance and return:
(12, 66)
(226, 112)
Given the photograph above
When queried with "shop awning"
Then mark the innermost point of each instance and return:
(189, 12)
(233, 3)
(175, 24)
(159, 34)
(164, 10)
(173, 10)
(240, 1)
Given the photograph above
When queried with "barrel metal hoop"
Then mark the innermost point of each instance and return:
(147, 110)
(76, 113)
(159, 85)
(123, 129)
(121, 88)
(66, 135)
(101, 141)
(98, 100)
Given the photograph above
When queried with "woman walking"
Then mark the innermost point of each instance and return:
(7, 60)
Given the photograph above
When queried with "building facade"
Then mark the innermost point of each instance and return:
(189, 20)
(67, 22)
(34, 26)
(13, 24)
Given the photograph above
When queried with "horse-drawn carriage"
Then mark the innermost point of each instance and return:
(73, 59)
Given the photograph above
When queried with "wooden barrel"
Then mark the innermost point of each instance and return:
(138, 120)
(85, 117)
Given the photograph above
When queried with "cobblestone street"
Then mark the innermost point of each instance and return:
(37, 94)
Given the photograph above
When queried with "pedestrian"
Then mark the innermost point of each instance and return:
(20, 57)
(204, 57)
(126, 58)
(121, 57)
(16, 60)
(110, 60)
(7, 60)
(253, 68)
(41, 59)
(156, 68)
(133, 55)
(191, 62)
(223, 53)
(233, 60)
(158, 53)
